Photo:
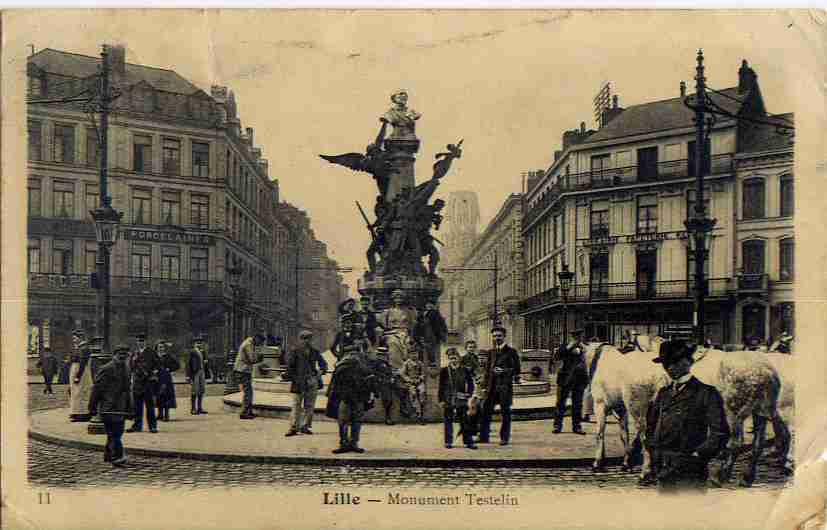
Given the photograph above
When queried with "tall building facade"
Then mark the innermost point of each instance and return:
(461, 228)
(482, 303)
(612, 206)
(196, 197)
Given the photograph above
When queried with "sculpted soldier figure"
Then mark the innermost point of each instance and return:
(398, 321)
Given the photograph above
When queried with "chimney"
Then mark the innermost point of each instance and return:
(116, 56)
(582, 127)
(250, 135)
(683, 89)
(615, 100)
(219, 94)
(746, 78)
(612, 112)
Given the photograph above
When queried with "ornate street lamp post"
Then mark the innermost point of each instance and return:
(565, 277)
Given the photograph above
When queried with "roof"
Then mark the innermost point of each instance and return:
(768, 137)
(660, 115)
(81, 66)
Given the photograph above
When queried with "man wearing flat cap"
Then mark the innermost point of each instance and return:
(112, 399)
(572, 380)
(685, 424)
(305, 366)
(502, 370)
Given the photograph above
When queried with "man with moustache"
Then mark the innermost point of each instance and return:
(502, 371)
(144, 364)
(111, 398)
(686, 425)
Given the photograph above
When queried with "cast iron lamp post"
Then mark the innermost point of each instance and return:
(565, 276)
(234, 274)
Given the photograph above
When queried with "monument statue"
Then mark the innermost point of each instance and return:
(401, 117)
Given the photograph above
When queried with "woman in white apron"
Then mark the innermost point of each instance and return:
(80, 378)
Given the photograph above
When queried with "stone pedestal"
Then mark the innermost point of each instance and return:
(270, 367)
(401, 153)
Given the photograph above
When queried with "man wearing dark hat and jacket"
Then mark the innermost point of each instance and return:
(502, 371)
(305, 366)
(144, 365)
(685, 425)
(456, 385)
(572, 380)
(348, 396)
(196, 375)
(112, 399)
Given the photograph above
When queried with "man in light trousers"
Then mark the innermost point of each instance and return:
(304, 379)
(248, 356)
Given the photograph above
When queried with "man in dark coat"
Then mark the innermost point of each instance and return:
(368, 316)
(196, 374)
(431, 330)
(456, 384)
(166, 386)
(305, 367)
(572, 380)
(348, 397)
(112, 399)
(48, 367)
(502, 371)
(686, 425)
(144, 365)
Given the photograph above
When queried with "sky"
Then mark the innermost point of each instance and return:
(507, 82)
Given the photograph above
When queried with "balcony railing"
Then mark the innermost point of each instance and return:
(607, 178)
(127, 286)
(628, 291)
(753, 283)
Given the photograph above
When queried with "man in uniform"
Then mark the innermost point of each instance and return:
(686, 425)
(144, 365)
(304, 375)
(502, 371)
(112, 399)
(572, 380)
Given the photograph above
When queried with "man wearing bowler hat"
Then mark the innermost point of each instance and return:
(144, 364)
(502, 370)
(572, 380)
(685, 424)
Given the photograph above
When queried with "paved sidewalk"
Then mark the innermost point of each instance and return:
(223, 436)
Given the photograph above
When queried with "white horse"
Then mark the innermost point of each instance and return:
(622, 384)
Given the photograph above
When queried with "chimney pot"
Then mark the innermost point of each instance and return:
(615, 101)
(116, 56)
(683, 89)
(582, 126)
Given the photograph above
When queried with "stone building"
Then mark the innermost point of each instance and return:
(612, 207)
(196, 197)
(503, 238)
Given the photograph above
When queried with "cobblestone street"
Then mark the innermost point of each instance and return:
(58, 466)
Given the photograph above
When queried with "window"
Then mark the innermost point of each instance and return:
(752, 252)
(33, 255)
(92, 197)
(171, 208)
(62, 256)
(91, 256)
(64, 197)
(170, 263)
(142, 154)
(647, 163)
(599, 274)
(647, 214)
(141, 259)
(600, 164)
(199, 264)
(35, 141)
(172, 156)
(35, 205)
(64, 144)
(787, 201)
(92, 148)
(200, 159)
(753, 206)
(599, 221)
(141, 206)
(690, 203)
(786, 270)
(35, 86)
(200, 211)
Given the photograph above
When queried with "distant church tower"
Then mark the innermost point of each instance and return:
(462, 226)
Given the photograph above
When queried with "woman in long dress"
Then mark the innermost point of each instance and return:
(80, 378)
(166, 386)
